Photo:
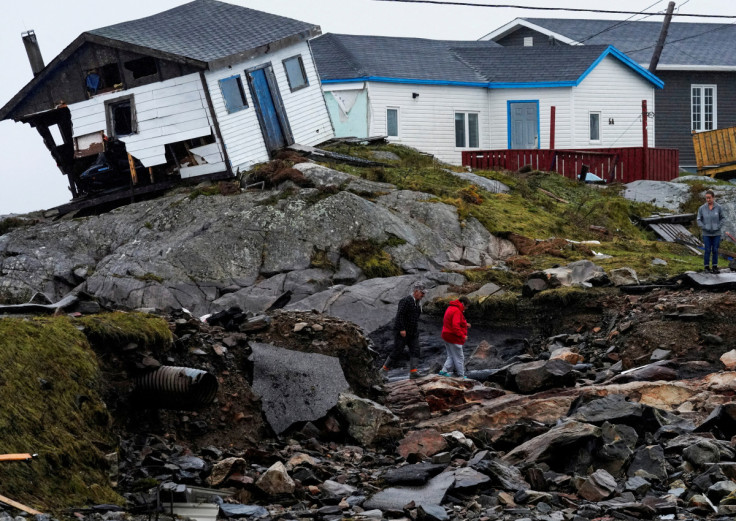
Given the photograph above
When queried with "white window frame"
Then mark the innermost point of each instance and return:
(398, 123)
(701, 122)
(590, 129)
(467, 129)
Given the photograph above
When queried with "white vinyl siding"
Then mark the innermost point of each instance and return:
(427, 122)
(703, 107)
(616, 91)
(305, 108)
(165, 112)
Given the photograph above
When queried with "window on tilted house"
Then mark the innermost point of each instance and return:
(703, 105)
(141, 67)
(528, 41)
(121, 119)
(103, 79)
(595, 126)
(295, 73)
(233, 94)
(466, 130)
(392, 122)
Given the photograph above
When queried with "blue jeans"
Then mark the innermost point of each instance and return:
(711, 249)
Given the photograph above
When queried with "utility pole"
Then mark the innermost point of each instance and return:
(662, 38)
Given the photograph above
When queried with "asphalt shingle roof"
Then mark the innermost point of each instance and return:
(341, 56)
(711, 44)
(205, 30)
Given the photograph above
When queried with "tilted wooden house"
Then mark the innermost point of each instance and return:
(204, 89)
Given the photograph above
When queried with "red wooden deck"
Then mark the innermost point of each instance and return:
(621, 165)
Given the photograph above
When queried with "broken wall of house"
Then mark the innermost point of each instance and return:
(305, 108)
(67, 83)
(348, 108)
(161, 114)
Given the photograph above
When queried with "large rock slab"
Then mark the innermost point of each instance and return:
(433, 493)
(178, 251)
(295, 386)
(659, 193)
(368, 422)
(372, 303)
(490, 185)
(558, 443)
(537, 376)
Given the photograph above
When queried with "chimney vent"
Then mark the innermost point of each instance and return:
(33, 51)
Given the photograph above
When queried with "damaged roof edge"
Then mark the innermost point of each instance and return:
(265, 49)
(6, 112)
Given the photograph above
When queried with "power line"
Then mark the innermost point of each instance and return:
(618, 24)
(568, 9)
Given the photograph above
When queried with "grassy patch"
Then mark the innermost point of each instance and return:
(529, 211)
(370, 257)
(115, 330)
(321, 261)
(49, 391)
(11, 223)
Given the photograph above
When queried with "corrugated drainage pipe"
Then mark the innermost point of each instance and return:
(170, 387)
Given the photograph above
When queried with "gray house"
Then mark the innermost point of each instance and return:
(698, 67)
(203, 89)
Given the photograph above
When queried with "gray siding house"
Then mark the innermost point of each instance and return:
(698, 67)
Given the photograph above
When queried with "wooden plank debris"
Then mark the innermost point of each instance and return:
(19, 506)
(325, 155)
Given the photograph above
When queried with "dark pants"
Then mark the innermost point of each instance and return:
(412, 341)
(711, 249)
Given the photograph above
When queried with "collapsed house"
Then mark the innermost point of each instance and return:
(202, 90)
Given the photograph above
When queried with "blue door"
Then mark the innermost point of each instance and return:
(268, 110)
(523, 124)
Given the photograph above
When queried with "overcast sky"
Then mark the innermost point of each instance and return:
(29, 178)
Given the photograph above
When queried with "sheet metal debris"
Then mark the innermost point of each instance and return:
(671, 228)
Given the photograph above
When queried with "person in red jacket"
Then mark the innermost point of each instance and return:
(455, 333)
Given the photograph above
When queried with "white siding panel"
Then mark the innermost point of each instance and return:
(428, 121)
(616, 91)
(166, 112)
(305, 108)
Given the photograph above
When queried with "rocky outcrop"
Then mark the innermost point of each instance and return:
(253, 249)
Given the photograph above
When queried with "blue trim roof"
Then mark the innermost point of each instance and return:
(351, 58)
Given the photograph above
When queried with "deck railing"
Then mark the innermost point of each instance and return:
(622, 165)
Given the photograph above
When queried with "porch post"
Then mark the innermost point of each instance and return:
(552, 111)
(645, 144)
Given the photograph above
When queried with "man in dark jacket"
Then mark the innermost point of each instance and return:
(710, 220)
(406, 330)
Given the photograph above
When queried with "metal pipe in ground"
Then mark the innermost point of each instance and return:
(170, 387)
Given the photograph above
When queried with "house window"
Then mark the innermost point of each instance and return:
(233, 94)
(392, 122)
(295, 73)
(121, 119)
(141, 67)
(528, 41)
(595, 126)
(466, 130)
(703, 105)
(103, 79)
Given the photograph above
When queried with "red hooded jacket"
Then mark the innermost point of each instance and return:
(454, 325)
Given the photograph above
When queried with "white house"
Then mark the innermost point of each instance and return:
(206, 88)
(444, 97)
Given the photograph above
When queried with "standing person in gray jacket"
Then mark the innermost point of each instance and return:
(710, 220)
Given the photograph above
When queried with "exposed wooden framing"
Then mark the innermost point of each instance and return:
(133, 175)
(218, 133)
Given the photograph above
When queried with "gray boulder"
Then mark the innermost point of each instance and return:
(659, 193)
(295, 386)
(540, 375)
(599, 486)
(490, 185)
(368, 422)
(623, 277)
(649, 463)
